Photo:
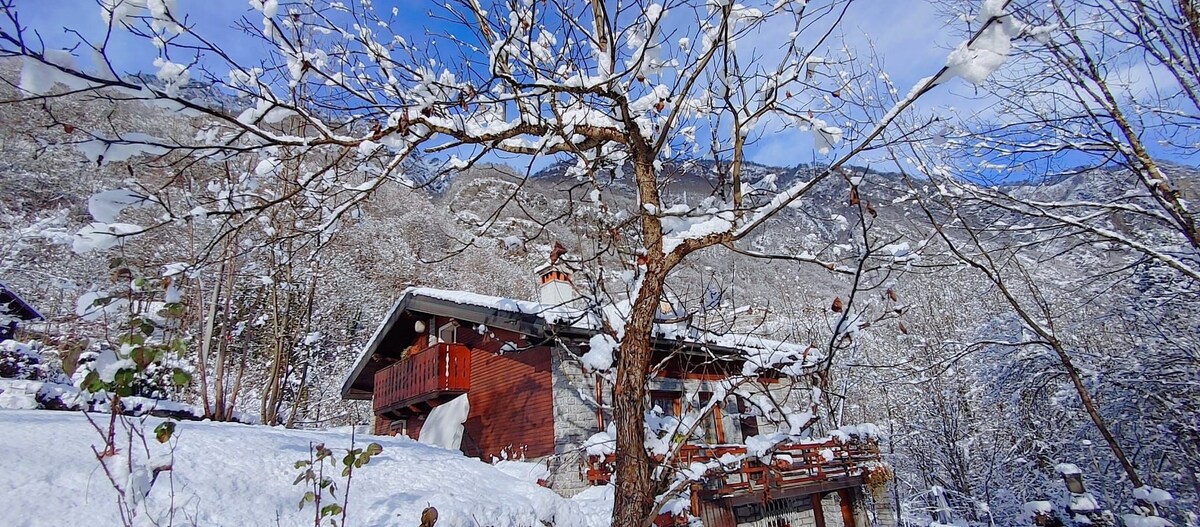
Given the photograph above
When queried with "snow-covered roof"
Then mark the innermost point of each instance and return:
(475, 299)
(540, 320)
(13, 305)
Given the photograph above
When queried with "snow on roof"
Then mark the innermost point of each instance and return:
(11, 303)
(760, 353)
(475, 299)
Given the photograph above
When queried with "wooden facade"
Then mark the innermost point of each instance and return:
(510, 393)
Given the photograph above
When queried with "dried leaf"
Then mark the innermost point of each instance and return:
(837, 305)
(854, 199)
(903, 329)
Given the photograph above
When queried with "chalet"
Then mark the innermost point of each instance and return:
(524, 368)
(13, 310)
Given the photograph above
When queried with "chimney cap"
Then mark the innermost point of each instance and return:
(556, 262)
(556, 252)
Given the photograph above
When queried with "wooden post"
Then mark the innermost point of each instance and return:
(818, 511)
(847, 498)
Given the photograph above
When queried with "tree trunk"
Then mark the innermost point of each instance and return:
(1089, 405)
(635, 492)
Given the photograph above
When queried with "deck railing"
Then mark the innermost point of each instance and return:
(792, 466)
(436, 370)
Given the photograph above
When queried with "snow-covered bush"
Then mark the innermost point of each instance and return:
(135, 368)
(22, 361)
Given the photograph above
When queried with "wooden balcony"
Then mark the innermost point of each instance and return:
(795, 469)
(422, 380)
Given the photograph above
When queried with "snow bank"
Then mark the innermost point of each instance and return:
(523, 470)
(1134, 520)
(1152, 495)
(228, 474)
(444, 426)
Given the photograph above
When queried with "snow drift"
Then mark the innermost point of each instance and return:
(229, 474)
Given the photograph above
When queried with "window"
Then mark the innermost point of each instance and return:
(712, 432)
(748, 422)
(709, 429)
(447, 333)
(667, 402)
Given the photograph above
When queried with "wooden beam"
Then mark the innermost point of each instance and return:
(818, 512)
(797, 491)
(847, 498)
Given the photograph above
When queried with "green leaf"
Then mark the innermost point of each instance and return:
(310, 496)
(298, 479)
(348, 459)
(123, 378)
(332, 509)
(374, 448)
(139, 283)
(140, 357)
(92, 382)
(301, 463)
(346, 471)
(174, 310)
(147, 328)
(164, 430)
(180, 378)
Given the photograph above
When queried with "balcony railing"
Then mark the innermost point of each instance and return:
(792, 467)
(441, 369)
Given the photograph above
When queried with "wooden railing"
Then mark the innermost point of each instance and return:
(436, 370)
(792, 466)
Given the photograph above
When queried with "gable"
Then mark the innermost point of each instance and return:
(397, 329)
(14, 306)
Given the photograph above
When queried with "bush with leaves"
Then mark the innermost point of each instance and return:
(146, 360)
(313, 475)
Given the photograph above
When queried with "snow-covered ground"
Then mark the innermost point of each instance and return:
(241, 475)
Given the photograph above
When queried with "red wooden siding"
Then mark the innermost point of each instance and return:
(713, 514)
(511, 396)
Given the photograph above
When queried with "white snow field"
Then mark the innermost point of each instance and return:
(241, 475)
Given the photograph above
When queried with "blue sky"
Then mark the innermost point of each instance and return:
(910, 37)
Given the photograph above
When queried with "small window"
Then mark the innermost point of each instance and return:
(713, 433)
(448, 333)
(667, 402)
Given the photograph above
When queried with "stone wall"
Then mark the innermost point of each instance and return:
(882, 506)
(575, 420)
